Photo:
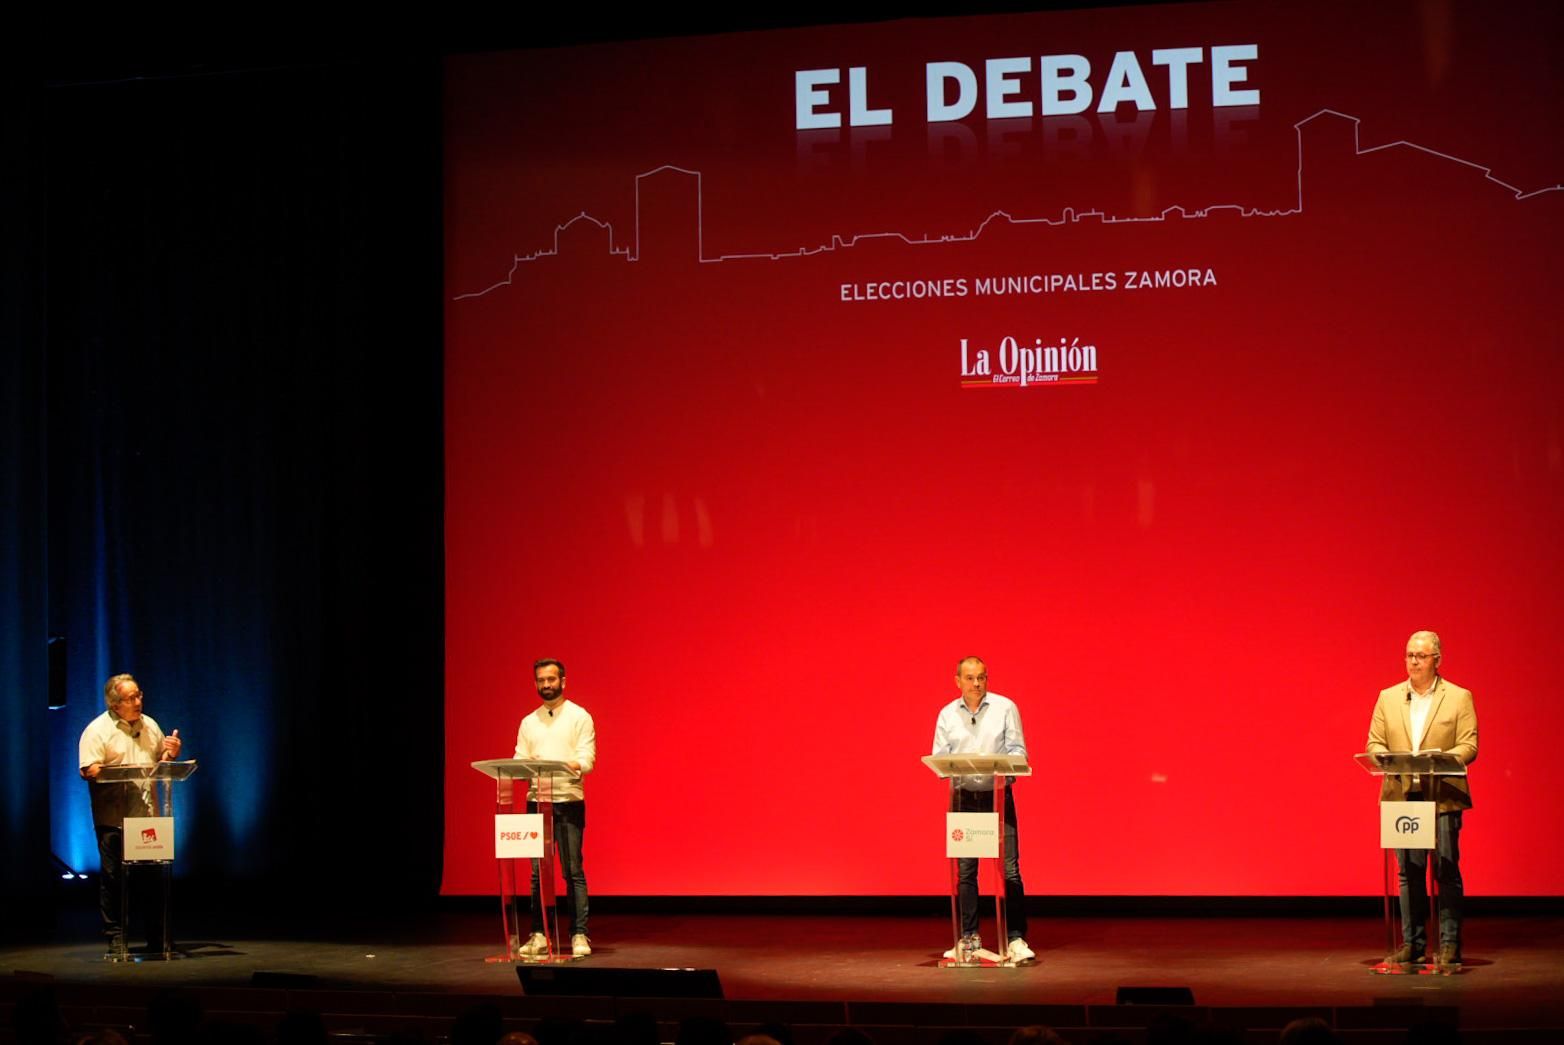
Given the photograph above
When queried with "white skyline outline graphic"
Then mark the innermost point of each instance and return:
(1067, 215)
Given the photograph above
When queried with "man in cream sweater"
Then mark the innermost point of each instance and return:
(560, 730)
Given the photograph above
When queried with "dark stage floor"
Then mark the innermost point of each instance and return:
(1514, 975)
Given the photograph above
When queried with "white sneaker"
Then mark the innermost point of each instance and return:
(536, 944)
(1019, 951)
(964, 946)
(580, 946)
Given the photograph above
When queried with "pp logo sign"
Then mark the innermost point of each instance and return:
(518, 836)
(1406, 825)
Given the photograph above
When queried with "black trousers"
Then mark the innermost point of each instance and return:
(967, 869)
(149, 901)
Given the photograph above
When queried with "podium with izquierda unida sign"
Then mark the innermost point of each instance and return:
(524, 790)
(148, 841)
(1405, 826)
(976, 835)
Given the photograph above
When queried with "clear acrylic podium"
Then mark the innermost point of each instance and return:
(158, 780)
(516, 874)
(1400, 763)
(952, 768)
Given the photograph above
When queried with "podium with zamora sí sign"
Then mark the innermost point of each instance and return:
(976, 835)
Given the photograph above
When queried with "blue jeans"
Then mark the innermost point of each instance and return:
(569, 826)
(967, 868)
(1412, 865)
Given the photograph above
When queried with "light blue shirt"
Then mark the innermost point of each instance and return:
(994, 729)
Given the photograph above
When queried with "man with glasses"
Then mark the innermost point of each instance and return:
(122, 736)
(1428, 713)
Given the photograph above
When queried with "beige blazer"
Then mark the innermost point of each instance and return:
(1451, 727)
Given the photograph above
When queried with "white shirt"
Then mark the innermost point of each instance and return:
(993, 729)
(1422, 704)
(564, 735)
(111, 741)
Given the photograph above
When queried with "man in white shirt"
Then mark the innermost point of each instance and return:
(560, 730)
(983, 723)
(122, 736)
(1428, 713)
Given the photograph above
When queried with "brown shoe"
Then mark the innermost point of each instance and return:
(1450, 956)
(1404, 956)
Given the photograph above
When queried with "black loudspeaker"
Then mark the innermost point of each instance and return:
(57, 691)
(599, 982)
(1154, 996)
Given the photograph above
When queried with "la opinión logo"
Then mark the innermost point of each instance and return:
(1019, 365)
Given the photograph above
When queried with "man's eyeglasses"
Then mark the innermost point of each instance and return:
(1420, 657)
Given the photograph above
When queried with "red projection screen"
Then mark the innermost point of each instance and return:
(1180, 361)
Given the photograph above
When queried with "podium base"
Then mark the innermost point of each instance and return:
(515, 957)
(979, 959)
(1428, 967)
(136, 957)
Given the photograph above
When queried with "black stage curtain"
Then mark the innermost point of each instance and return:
(222, 463)
(24, 761)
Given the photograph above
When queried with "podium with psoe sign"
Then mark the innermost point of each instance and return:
(147, 841)
(1408, 825)
(520, 839)
(980, 836)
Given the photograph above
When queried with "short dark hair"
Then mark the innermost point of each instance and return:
(539, 665)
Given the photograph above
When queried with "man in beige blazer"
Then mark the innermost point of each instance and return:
(1428, 713)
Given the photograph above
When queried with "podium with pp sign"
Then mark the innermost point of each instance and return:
(1407, 825)
(148, 841)
(979, 836)
(519, 840)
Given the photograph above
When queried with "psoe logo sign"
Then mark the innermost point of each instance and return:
(1407, 825)
(518, 836)
(1014, 364)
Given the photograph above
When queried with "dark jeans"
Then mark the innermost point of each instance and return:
(1412, 865)
(149, 899)
(967, 868)
(570, 820)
